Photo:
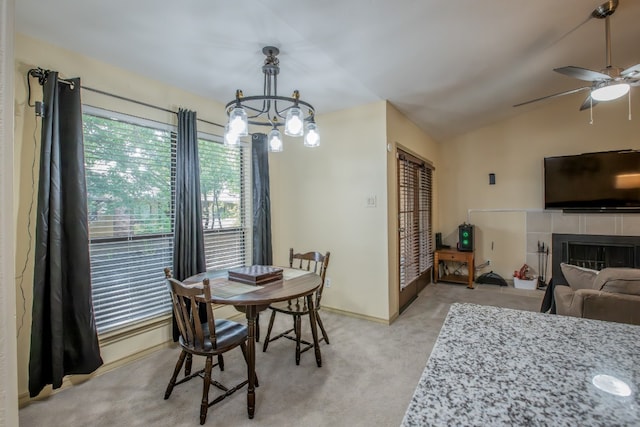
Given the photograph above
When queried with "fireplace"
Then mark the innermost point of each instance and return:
(593, 251)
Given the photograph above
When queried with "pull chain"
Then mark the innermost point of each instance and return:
(590, 110)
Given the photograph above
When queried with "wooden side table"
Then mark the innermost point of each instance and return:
(453, 255)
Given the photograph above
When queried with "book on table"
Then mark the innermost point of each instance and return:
(255, 274)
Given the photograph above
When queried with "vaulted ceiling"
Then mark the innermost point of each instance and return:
(450, 66)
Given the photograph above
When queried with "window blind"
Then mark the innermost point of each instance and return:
(415, 227)
(130, 168)
(425, 228)
(225, 191)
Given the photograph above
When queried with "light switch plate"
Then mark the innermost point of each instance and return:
(371, 201)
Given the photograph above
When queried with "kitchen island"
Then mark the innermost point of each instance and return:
(497, 366)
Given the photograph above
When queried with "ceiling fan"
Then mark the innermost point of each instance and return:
(607, 84)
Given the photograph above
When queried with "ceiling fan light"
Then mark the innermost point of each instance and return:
(610, 92)
(275, 141)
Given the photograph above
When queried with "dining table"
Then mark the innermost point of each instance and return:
(251, 299)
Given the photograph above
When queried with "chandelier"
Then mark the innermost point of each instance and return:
(270, 109)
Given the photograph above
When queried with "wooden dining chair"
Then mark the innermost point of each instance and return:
(317, 263)
(206, 337)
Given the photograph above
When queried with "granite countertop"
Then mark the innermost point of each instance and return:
(495, 366)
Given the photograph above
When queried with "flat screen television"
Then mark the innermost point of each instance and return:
(593, 182)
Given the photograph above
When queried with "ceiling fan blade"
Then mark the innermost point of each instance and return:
(555, 95)
(588, 103)
(631, 71)
(582, 73)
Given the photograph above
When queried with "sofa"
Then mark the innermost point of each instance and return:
(611, 294)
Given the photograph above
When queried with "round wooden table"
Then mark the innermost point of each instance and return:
(295, 283)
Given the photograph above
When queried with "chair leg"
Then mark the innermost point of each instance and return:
(176, 371)
(266, 339)
(187, 365)
(221, 362)
(319, 322)
(297, 323)
(205, 390)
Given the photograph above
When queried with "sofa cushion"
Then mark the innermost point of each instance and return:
(578, 277)
(619, 280)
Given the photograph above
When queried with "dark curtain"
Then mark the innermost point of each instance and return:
(64, 339)
(188, 243)
(262, 254)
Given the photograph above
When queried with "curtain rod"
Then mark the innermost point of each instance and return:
(101, 92)
(41, 75)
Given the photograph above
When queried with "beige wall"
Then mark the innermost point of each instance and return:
(514, 149)
(8, 356)
(402, 133)
(31, 53)
(318, 203)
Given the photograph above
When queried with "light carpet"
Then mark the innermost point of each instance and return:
(369, 373)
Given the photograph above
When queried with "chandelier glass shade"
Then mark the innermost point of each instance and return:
(274, 139)
(230, 138)
(238, 122)
(272, 110)
(311, 137)
(294, 123)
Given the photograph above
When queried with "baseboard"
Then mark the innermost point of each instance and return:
(357, 315)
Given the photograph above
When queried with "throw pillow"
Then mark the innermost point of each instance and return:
(578, 277)
(619, 280)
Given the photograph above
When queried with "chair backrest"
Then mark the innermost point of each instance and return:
(311, 261)
(195, 331)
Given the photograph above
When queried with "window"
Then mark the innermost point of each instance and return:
(223, 187)
(130, 168)
(416, 248)
(130, 165)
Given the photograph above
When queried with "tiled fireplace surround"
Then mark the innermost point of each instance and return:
(541, 225)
